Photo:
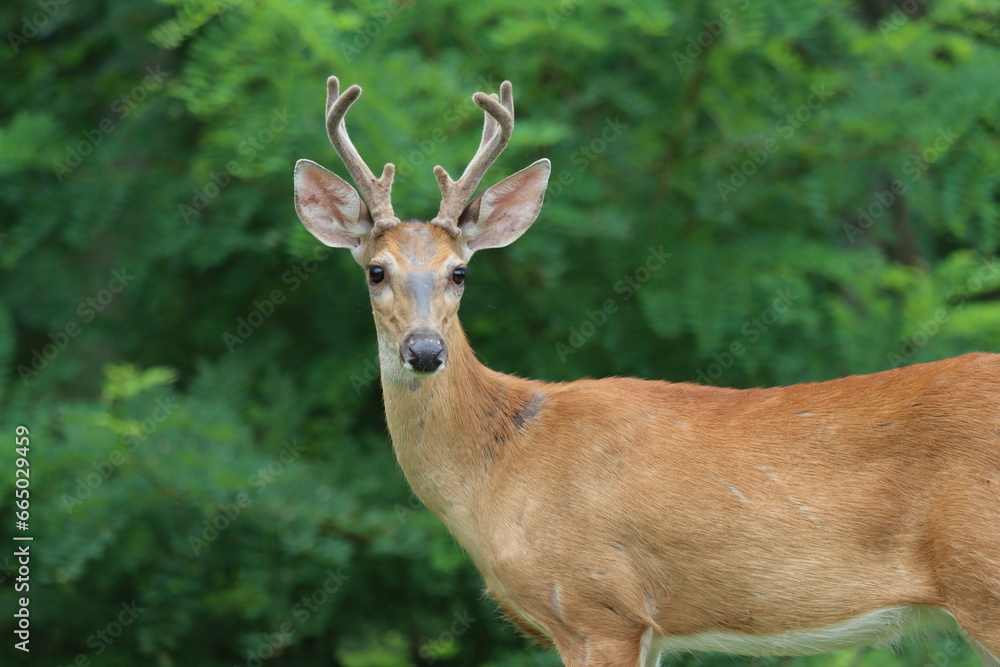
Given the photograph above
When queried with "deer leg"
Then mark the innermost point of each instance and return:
(978, 614)
(611, 652)
(647, 656)
(968, 567)
(653, 660)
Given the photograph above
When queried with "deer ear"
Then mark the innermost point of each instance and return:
(503, 212)
(329, 207)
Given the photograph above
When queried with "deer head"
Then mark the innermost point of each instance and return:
(416, 270)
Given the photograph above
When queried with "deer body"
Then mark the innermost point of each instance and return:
(805, 507)
(619, 518)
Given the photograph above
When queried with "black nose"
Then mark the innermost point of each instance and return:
(424, 351)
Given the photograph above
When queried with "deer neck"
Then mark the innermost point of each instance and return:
(448, 429)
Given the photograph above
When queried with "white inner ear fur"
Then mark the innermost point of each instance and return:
(329, 207)
(507, 209)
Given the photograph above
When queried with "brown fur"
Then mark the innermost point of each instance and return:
(607, 514)
(692, 509)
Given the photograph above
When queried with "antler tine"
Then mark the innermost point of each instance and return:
(497, 128)
(377, 192)
(490, 126)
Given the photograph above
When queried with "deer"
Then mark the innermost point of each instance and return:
(620, 519)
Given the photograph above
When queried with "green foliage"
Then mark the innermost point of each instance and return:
(744, 193)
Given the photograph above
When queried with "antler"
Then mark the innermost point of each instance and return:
(497, 128)
(375, 191)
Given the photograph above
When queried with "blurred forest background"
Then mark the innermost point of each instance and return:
(744, 193)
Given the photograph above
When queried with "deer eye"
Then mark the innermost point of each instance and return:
(458, 275)
(376, 274)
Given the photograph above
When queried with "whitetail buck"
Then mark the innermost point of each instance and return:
(621, 518)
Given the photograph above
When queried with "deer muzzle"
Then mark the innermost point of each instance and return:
(423, 351)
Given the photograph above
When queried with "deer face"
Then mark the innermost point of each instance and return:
(416, 277)
(416, 270)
